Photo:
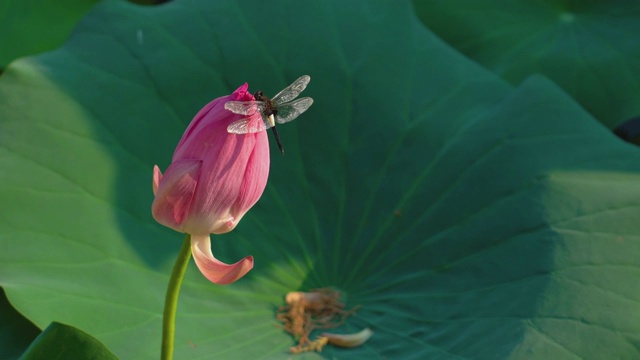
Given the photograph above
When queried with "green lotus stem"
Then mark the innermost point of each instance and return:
(171, 300)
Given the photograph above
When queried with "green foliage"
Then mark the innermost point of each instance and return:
(470, 218)
(29, 27)
(587, 47)
(16, 332)
(60, 341)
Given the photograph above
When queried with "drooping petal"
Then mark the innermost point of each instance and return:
(174, 193)
(213, 269)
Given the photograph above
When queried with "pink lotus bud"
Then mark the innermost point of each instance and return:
(214, 178)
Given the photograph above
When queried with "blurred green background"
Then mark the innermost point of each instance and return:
(456, 177)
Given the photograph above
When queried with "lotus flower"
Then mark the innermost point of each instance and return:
(213, 180)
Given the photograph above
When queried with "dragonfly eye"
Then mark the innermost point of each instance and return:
(258, 94)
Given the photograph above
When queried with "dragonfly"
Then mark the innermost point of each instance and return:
(280, 109)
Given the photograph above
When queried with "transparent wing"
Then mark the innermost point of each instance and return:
(248, 126)
(245, 107)
(292, 91)
(290, 111)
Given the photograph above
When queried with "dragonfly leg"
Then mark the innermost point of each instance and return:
(275, 133)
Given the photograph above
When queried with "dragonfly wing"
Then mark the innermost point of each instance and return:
(292, 110)
(292, 91)
(248, 126)
(245, 107)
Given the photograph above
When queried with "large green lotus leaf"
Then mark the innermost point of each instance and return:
(587, 47)
(30, 27)
(467, 218)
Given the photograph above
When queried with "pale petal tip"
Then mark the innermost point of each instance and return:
(157, 176)
(224, 226)
(230, 225)
(348, 340)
